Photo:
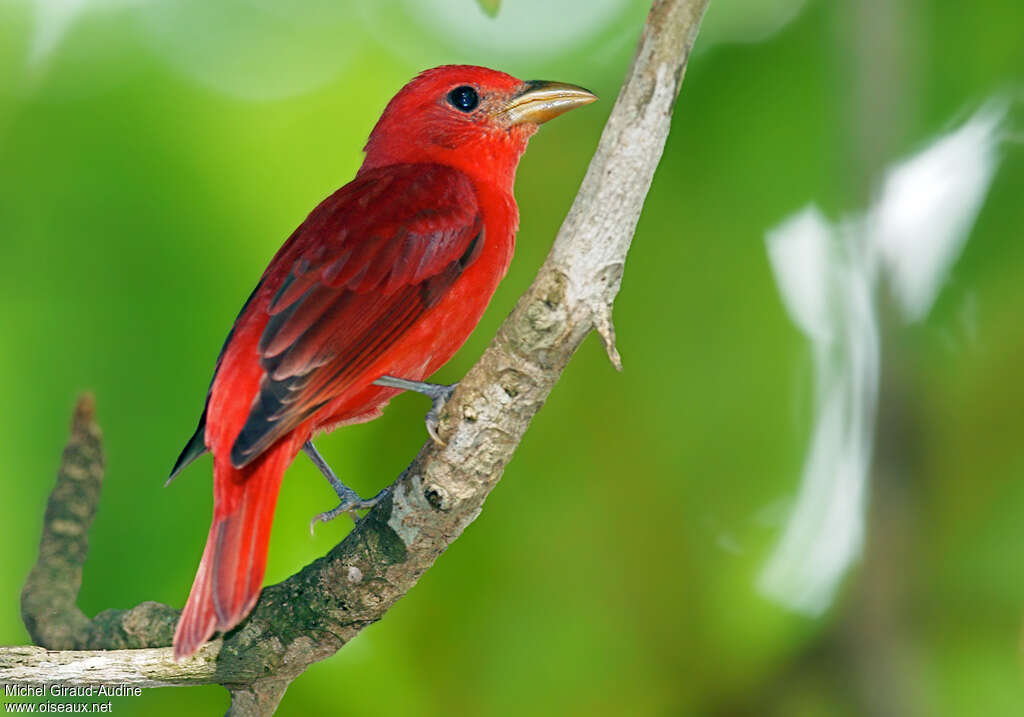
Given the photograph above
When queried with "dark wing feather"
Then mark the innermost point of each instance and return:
(196, 445)
(366, 264)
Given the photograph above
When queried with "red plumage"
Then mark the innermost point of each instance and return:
(387, 276)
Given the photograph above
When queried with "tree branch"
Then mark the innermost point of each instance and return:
(312, 614)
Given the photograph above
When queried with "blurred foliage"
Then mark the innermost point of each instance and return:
(154, 156)
(490, 7)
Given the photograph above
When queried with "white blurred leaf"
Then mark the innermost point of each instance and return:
(801, 251)
(746, 21)
(826, 285)
(827, 277)
(927, 206)
(53, 19)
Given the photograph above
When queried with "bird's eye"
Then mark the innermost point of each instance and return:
(464, 98)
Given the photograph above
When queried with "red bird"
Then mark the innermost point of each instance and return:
(376, 289)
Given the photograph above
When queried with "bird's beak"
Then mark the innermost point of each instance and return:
(540, 101)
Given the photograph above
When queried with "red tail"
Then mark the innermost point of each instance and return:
(231, 571)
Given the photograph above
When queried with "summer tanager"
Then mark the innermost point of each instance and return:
(376, 289)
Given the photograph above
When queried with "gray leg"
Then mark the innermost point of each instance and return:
(350, 500)
(438, 393)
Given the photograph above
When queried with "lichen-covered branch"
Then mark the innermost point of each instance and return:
(312, 614)
(49, 599)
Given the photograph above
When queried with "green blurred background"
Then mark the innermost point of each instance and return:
(153, 156)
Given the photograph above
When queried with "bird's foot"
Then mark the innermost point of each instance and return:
(350, 500)
(438, 393)
(350, 503)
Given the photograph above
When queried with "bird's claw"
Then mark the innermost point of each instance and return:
(433, 422)
(438, 393)
(433, 419)
(350, 503)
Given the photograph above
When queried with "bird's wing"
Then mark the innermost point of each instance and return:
(358, 273)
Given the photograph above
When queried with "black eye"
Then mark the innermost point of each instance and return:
(464, 98)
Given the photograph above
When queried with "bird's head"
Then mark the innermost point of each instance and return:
(472, 118)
